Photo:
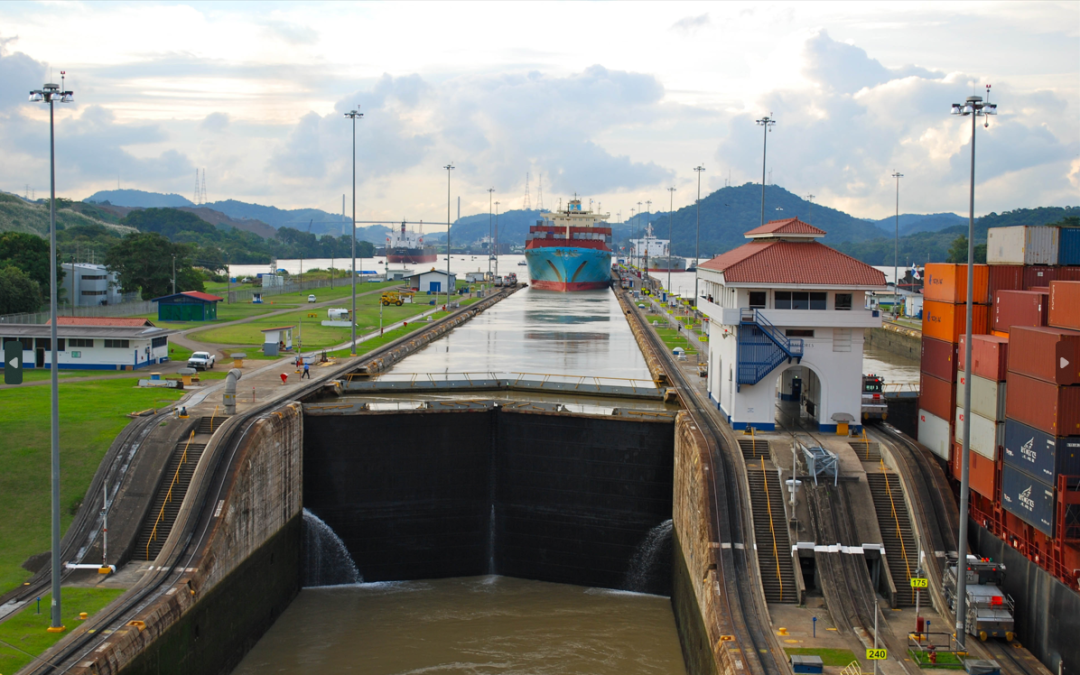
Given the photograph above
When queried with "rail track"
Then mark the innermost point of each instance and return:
(752, 631)
(195, 529)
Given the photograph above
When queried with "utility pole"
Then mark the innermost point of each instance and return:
(635, 230)
(354, 115)
(670, 213)
(766, 123)
(174, 274)
(491, 233)
(496, 238)
(697, 246)
(896, 244)
(450, 167)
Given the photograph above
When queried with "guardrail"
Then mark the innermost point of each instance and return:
(581, 384)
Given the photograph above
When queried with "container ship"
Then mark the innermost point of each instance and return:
(408, 247)
(1024, 450)
(569, 250)
(656, 253)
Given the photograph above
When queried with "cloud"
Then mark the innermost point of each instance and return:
(19, 74)
(691, 24)
(215, 122)
(292, 33)
(841, 67)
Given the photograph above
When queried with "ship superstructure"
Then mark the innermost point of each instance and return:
(406, 246)
(655, 254)
(570, 250)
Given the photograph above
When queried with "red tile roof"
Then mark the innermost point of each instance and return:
(793, 262)
(199, 295)
(99, 321)
(786, 226)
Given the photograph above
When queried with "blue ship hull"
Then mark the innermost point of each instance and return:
(568, 268)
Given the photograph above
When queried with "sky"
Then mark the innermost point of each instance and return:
(611, 101)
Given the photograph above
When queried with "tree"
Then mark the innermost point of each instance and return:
(28, 252)
(144, 262)
(18, 292)
(958, 251)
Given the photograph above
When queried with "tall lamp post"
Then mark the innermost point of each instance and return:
(496, 238)
(896, 245)
(767, 123)
(491, 237)
(671, 210)
(639, 211)
(354, 115)
(644, 229)
(973, 107)
(450, 167)
(51, 93)
(631, 237)
(697, 246)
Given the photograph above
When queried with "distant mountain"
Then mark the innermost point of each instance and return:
(910, 223)
(141, 198)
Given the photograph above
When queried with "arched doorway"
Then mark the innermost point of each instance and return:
(799, 389)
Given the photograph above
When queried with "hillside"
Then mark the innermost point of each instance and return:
(910, 223)
(19, 215)
(140, 198)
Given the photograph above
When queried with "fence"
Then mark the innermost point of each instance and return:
(293, 287)
(122, 309)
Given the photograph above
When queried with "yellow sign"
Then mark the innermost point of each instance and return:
(920, 583)
(875, 654)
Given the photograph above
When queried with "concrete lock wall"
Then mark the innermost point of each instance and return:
(247, 574)
(548, 496)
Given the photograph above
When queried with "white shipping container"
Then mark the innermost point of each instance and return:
(987, 397)
(986, 435)
(934, 434)
(1022, 245)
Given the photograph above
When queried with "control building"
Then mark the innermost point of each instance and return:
(787, 316)
(87, 285)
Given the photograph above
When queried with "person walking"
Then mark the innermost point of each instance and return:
(307, 371)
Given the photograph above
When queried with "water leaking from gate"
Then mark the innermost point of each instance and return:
(326, 561)
(647, 557)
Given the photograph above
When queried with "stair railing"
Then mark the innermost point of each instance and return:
(896, 519)
(168, 495)
(867, 442)
(793, 346)
(772, 529)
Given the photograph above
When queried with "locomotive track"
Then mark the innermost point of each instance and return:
(752, 630)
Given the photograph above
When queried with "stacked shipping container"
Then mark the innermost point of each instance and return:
(1024, 461)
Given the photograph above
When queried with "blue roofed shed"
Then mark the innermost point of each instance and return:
(188, 306)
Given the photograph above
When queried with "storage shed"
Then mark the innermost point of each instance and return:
(188, 306)
(277, 340)
(432, 281)
(90, 347)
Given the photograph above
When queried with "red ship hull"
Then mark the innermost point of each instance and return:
(411, 258)
(564, 287)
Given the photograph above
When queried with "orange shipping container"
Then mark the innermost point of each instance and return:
(946, 322)
(947, 282)
(981, 472)
(1065, 304)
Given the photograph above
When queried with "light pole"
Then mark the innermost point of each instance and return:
(354, 115)
(450, 167)
(491, 237)
(632, 237)
(896, 244)
(639, 211)
(644, 229)
(496, 238)
(697, 246)
(671, 210)
(767, 123)
(50, 93)
(974, 107)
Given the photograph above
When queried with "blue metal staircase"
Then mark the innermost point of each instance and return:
(762, 347)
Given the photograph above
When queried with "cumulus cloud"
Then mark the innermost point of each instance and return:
(19, 74)
(690, 24)
(215, 122)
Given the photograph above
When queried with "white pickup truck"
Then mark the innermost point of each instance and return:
(201, 361)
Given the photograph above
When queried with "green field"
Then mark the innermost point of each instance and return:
(673, 338)
(25, 634)
(829, 657)
(91, 415)
(946, 660)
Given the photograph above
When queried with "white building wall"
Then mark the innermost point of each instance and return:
(138, 354)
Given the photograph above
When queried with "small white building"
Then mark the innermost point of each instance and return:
(432, 281)
(87, 285)
(786, 321)
(90, 347)
(476, 277)
(277, 340)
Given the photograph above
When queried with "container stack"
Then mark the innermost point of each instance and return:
(944, 322)
(989, 366)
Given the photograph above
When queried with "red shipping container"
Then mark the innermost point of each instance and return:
(981, 472)
(939, 358)
(1019, 308)
(1050, 354)
(1064, 309)
(1004, 278)
(989, 356)
(947, 282)
(937, 396)
(1035, 275)
(1043, 405)
(1067, 274)
(947, 323)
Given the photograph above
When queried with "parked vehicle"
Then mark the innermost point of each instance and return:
(989, 610)
(201, 361)
(311, 298)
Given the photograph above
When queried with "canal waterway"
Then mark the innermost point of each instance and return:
(474, 625)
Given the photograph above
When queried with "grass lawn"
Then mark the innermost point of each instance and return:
(946, 660)
(25, 632)
(673, 338)
(829, 657)
(91, 415)
(389, 336)
(42, 374)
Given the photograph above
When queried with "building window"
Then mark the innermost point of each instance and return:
(159, 342)
(843, 301)
(800, 300)
(81, 342)
(799, 333)
(758, 299)
(24, 343)
(94, 277)
(782, 300)
(818, 300)
(116, 344)
(95, 292)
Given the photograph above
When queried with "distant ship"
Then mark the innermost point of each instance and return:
(657, 253)
(408, 247)
(569, 251)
